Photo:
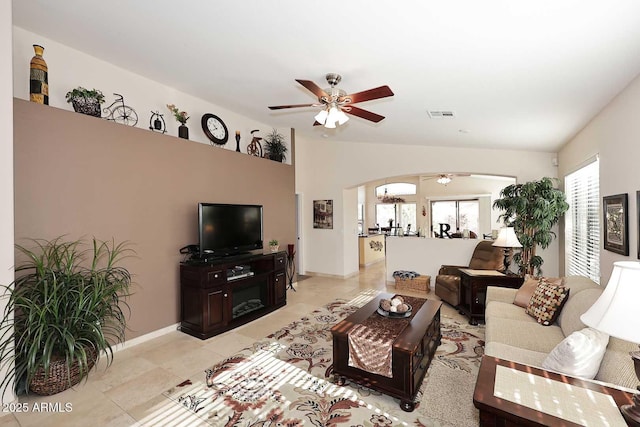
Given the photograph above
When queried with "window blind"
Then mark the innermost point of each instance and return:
(582, 222)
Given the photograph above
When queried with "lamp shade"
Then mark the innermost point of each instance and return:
(615, 311)
(507, 238)
(321, 117)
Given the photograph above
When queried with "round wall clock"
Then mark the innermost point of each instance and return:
(215, 129)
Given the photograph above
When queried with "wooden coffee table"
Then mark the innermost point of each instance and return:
(495, 411)
(411, 355)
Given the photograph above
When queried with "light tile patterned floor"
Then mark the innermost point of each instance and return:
(123, 394)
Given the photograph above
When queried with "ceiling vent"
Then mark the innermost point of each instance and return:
(439, 114)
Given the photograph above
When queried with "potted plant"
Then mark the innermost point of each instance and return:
(181, 117)
(275, 147)
(63, 310)
(86, 101)
(273, 245)
(532, 209)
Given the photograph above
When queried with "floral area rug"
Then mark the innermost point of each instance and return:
(286, 379)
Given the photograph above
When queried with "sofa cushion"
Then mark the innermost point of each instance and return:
(579, 354)
(579, 283)
(501, 310)
(526, 291)
(546, 302)
(576, 305)
(617, 366)
(528, 335)
(515, 354)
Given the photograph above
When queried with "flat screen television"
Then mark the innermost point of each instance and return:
(229, 229)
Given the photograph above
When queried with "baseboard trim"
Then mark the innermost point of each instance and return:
(331, 276)
(146, 337)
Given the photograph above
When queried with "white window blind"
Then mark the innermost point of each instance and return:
(582, 222)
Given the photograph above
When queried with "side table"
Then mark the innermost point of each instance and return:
(496, 411)
(473, 290)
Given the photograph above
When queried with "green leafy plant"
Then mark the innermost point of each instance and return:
(273, 242)
(275, 147)
(180, 116)
(65, 306)
(81, 92)
(532, 209)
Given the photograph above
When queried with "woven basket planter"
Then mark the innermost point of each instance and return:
(420, 284)
(88, 106)
(59, 378)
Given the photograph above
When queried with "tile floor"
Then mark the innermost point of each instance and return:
(129, 392)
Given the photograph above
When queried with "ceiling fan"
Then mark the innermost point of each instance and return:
(335, 102)
(444, 178)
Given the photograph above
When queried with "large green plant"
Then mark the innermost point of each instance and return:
(532, 209)
(275, 146)
(65, 304)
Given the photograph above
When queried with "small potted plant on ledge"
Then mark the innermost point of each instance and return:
(181, 117)
(63, 310)
(275, 147)
(273, 245)
(86, 101)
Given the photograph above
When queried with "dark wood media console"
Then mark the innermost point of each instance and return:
(220, 295)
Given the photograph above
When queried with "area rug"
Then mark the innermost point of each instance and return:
(286, 379)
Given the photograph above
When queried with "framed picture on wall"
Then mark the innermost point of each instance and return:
(323, 214)
(616, 230)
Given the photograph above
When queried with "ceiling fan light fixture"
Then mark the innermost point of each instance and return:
(342, 118)
(443, 179)
(321, 117)
(333, 117)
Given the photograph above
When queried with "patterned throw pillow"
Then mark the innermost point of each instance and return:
(524, 294)
(546, 302)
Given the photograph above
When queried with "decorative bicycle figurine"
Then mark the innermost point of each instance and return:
(255, 148)
(120, 113)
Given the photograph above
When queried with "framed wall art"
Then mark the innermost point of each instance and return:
(323, 214)
(616, 229)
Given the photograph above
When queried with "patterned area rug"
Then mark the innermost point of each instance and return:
(286, 380)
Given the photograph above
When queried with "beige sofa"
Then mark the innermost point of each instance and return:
(512, 334)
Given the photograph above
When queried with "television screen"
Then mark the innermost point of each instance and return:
(226, 229)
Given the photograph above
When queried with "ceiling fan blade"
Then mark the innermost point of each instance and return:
(368, 95)
(317, 123)
(314, 88)
(355, 111)
(280, 107)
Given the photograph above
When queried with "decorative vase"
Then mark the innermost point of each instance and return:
(39, 78)
(274, 248)
(183, 132)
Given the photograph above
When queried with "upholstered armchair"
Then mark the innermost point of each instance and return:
(485, 257)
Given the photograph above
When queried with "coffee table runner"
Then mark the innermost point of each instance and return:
(371, 342)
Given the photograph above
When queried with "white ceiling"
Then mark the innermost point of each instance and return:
(521, 74)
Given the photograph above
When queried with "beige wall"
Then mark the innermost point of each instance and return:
(613, 135)
(327, 169)
(82, 176)
(6, 157)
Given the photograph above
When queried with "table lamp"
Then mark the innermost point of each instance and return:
(508, 240)
(612, 313)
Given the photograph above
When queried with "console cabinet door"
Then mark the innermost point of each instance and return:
(215, 309)
(280, 287)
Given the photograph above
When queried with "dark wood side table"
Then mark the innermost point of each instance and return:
(473, 290)
(496, 412)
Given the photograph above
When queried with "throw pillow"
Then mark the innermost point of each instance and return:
(546, 302)
(579, 354)
(524, 294)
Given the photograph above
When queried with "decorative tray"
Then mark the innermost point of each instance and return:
(392, 315)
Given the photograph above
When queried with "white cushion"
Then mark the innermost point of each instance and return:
(579, 354)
